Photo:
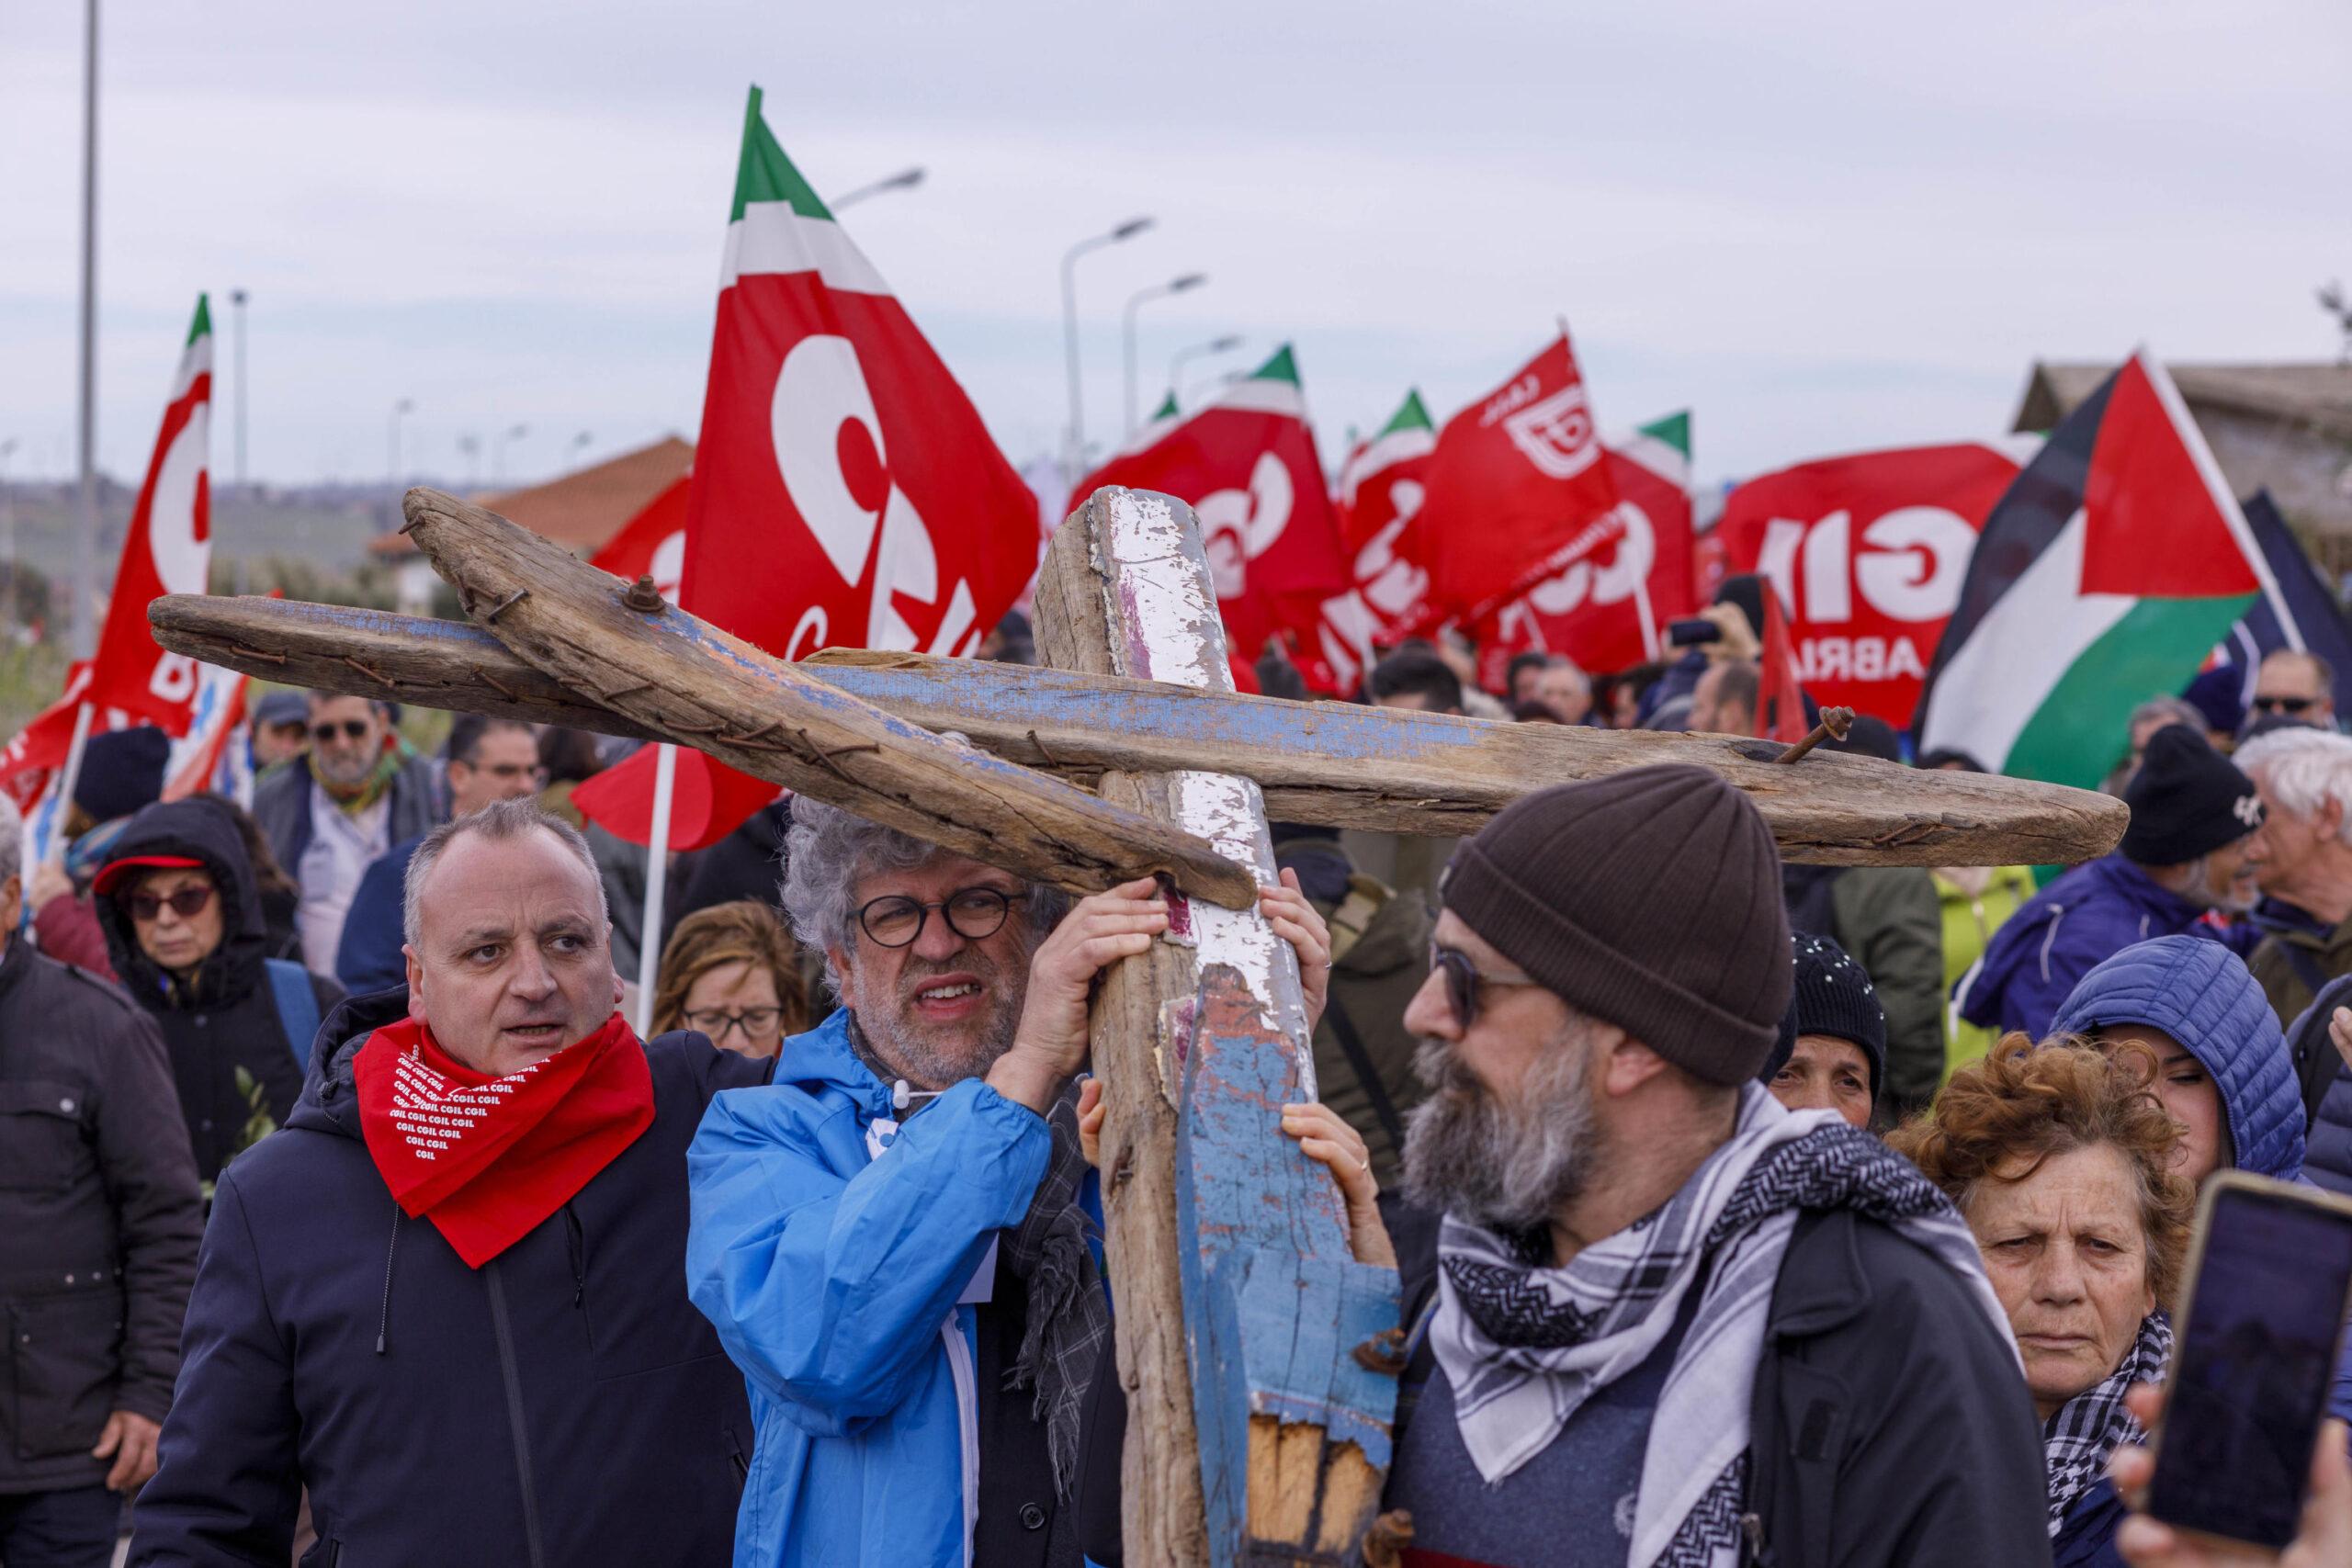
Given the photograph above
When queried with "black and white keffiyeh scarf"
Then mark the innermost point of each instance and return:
(1525, 1345)
(1068, 1326)
(2081, 1435)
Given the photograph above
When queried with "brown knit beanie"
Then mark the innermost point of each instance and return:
(1649, 898)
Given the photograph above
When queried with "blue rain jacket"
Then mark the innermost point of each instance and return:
(834, 1274)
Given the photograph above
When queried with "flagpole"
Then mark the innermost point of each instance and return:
(657, 868)
(70, 775)
(85, 520)
(1649, 621)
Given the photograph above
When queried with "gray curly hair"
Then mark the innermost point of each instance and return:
(829, 849)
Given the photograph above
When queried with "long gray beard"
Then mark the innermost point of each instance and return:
(1506, 1168)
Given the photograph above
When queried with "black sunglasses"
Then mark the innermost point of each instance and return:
(2284, 705)
(973, 913)
(184, 903)
(1462, 980)
(353, 729)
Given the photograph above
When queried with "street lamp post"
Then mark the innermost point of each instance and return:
(497, 451)
(580, 445)
(471, 447)
(1177, 361)
(86, 529)
(1074, 455)
(905, 179)
(237, 302)
(1128, 327)
(8, 540)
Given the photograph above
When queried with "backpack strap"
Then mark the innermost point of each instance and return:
(298, 1005)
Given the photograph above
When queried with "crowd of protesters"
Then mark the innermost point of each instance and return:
(1742, 1213)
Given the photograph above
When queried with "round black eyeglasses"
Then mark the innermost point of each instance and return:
(973, 913)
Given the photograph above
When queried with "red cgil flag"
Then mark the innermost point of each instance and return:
(1517, 491)
(652, 544)
(1246, 465)
(1780, 697)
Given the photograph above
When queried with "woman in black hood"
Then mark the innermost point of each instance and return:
(236, 1022)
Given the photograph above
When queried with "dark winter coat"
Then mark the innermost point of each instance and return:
(1889, 1424)
(282, 807)
(2294, 960)
(225, 1020)
(564, 1405)
(2327, 1158)
(1890, 920)
(2064, 931)
(1380, 956)
(98, 1220)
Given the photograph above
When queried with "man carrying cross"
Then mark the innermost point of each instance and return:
(894, 1240)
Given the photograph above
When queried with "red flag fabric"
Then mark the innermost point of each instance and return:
(1245, 463)
(653, 543)
(167, 551)
(1514, 486)
(1609, 610)
(845, 493)
(1381, 494)
(1867, 554)
(1780, 696)
(708, 799)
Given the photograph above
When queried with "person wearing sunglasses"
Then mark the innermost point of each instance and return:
(2297, 685)
(1669, 1320)
(182, 915)
(895, 1241)
(359, 790)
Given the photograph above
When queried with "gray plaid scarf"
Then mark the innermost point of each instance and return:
(1069, 1316)
(1525, 1345)
(2082, 1433)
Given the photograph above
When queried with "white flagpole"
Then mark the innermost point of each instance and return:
(657, 866)
(53, 849)
(1649, 622)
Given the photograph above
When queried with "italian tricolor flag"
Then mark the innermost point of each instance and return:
(2104, 576)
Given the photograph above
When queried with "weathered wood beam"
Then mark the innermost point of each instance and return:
(678, 676)
(1333, 763)
(1253, 1433)
(372, 653)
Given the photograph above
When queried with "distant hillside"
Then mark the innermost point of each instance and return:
(327, 526)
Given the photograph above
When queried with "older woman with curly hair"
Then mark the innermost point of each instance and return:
(733, 972)
(2062, 1162)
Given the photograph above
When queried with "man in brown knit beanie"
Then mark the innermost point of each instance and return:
(1669, 1321)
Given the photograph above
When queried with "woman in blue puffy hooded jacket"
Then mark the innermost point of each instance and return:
(2224, 1073)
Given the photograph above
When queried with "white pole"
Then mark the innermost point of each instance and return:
(52, 848)
(1649, 622)
(657, 866)
(85, 514)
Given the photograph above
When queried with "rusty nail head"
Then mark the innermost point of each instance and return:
(644, 597)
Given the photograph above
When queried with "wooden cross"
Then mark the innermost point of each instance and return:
(1259, 1410)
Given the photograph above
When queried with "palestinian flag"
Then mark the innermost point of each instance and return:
(2104, 576)
(1246, 465)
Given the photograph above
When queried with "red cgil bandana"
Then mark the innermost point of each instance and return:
(487, 1158)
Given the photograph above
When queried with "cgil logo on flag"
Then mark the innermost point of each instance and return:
(1556, 434)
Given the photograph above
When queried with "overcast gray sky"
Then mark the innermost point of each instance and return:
(1822, 228)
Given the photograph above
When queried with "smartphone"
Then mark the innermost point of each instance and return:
(1691, 631)
(2254, 1353)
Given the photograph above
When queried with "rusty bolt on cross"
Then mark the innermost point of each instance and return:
(644, 597)
(1836, 725)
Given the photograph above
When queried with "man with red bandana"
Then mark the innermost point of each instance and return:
(448, 1299)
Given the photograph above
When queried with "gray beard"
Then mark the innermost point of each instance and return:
(937, 1059)
(1506, 1168)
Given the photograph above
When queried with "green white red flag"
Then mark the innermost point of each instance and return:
(1245, 463)
(845, 493)
(1381, 493)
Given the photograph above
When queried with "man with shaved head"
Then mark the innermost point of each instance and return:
(448, 1299)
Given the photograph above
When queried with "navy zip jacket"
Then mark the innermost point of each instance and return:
(2061, 934)
(564, 1405)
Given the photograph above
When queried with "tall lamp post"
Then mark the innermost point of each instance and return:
(1074, 453)
(1177, 361)
(86, 529)
(497, 451)
(1127, 327)
(905, 179)
(237, 320)
(8, 540)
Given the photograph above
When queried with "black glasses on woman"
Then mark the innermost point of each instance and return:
(973, 913)
(184, 903)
